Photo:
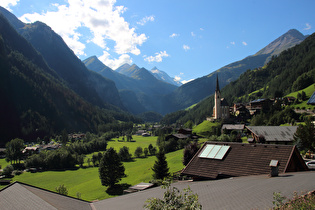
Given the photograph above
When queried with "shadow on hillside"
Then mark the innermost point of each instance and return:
(117, 189)
(130, 160)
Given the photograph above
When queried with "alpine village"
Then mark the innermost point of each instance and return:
(80, 135)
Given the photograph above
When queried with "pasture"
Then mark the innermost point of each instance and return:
(85, 181)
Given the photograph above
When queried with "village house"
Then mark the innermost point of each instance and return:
(140, 132)
(228, 128)
(30, 151)
(257, 105)
(226, 159)
(240, 112)
(76, 136)
(288, 100)
(176, 136)
(272, 134)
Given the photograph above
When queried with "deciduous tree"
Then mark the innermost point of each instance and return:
(138, 152)
(14, 150)
(305, 135)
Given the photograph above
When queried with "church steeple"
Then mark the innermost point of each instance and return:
(217, 88)
(217, 101)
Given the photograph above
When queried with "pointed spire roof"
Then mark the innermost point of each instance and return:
(217, 88)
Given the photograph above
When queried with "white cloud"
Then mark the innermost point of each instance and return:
(177, 78)
(244, 43)
(308, 26)
(157, 58)
(201, 29)
(174, 35)
(186, 47)
(146, 19)
(8, 3)
(232, 43)
(115, 63)
(192, 33)
(101, 17)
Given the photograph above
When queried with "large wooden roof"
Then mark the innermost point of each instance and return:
(245, 159)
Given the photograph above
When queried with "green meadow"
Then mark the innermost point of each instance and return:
(86, 182)
(204, 128)
(308, 91)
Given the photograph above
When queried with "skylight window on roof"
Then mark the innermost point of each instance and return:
(212, 151)
(221, 153)
(206, 150)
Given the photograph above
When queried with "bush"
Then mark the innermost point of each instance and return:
(138, 152)
(174, 199)
(124, 154)
(297, 202)
(61, 189)
(7, 171)
(17, 172)
(152, 150)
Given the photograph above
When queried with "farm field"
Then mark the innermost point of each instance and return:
(86, 182)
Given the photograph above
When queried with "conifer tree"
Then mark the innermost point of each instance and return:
(111, 169)
(160, 166)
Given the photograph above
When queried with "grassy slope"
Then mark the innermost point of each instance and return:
(204, 127)
(308, 91)
(86, 181)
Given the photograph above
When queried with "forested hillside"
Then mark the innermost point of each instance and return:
(92, 87)
(35, 101)
(292, 70)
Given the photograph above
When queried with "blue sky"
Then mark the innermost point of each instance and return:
(186, 39)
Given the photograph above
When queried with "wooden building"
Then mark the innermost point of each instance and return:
(272, 134)
(226, 159)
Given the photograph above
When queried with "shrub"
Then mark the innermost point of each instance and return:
(124, 154)
(174, 199)
(7, 171)
(61, 189)
(138, 152)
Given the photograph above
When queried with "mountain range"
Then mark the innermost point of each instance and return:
(46, 88)
(200, 88)
(163, 76)
(194, 91)
(139, 90)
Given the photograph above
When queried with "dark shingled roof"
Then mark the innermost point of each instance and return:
(245, 159)
(233, 126)
(274, 133)
(224, 102)
(22, 196)
(312, 99)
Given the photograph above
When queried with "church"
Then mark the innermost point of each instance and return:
(221, 109)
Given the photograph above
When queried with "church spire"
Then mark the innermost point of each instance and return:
(217, 88)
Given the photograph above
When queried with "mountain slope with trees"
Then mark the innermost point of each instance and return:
(59, 57)
(35, 100)
(292, 70)
(198, 89)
